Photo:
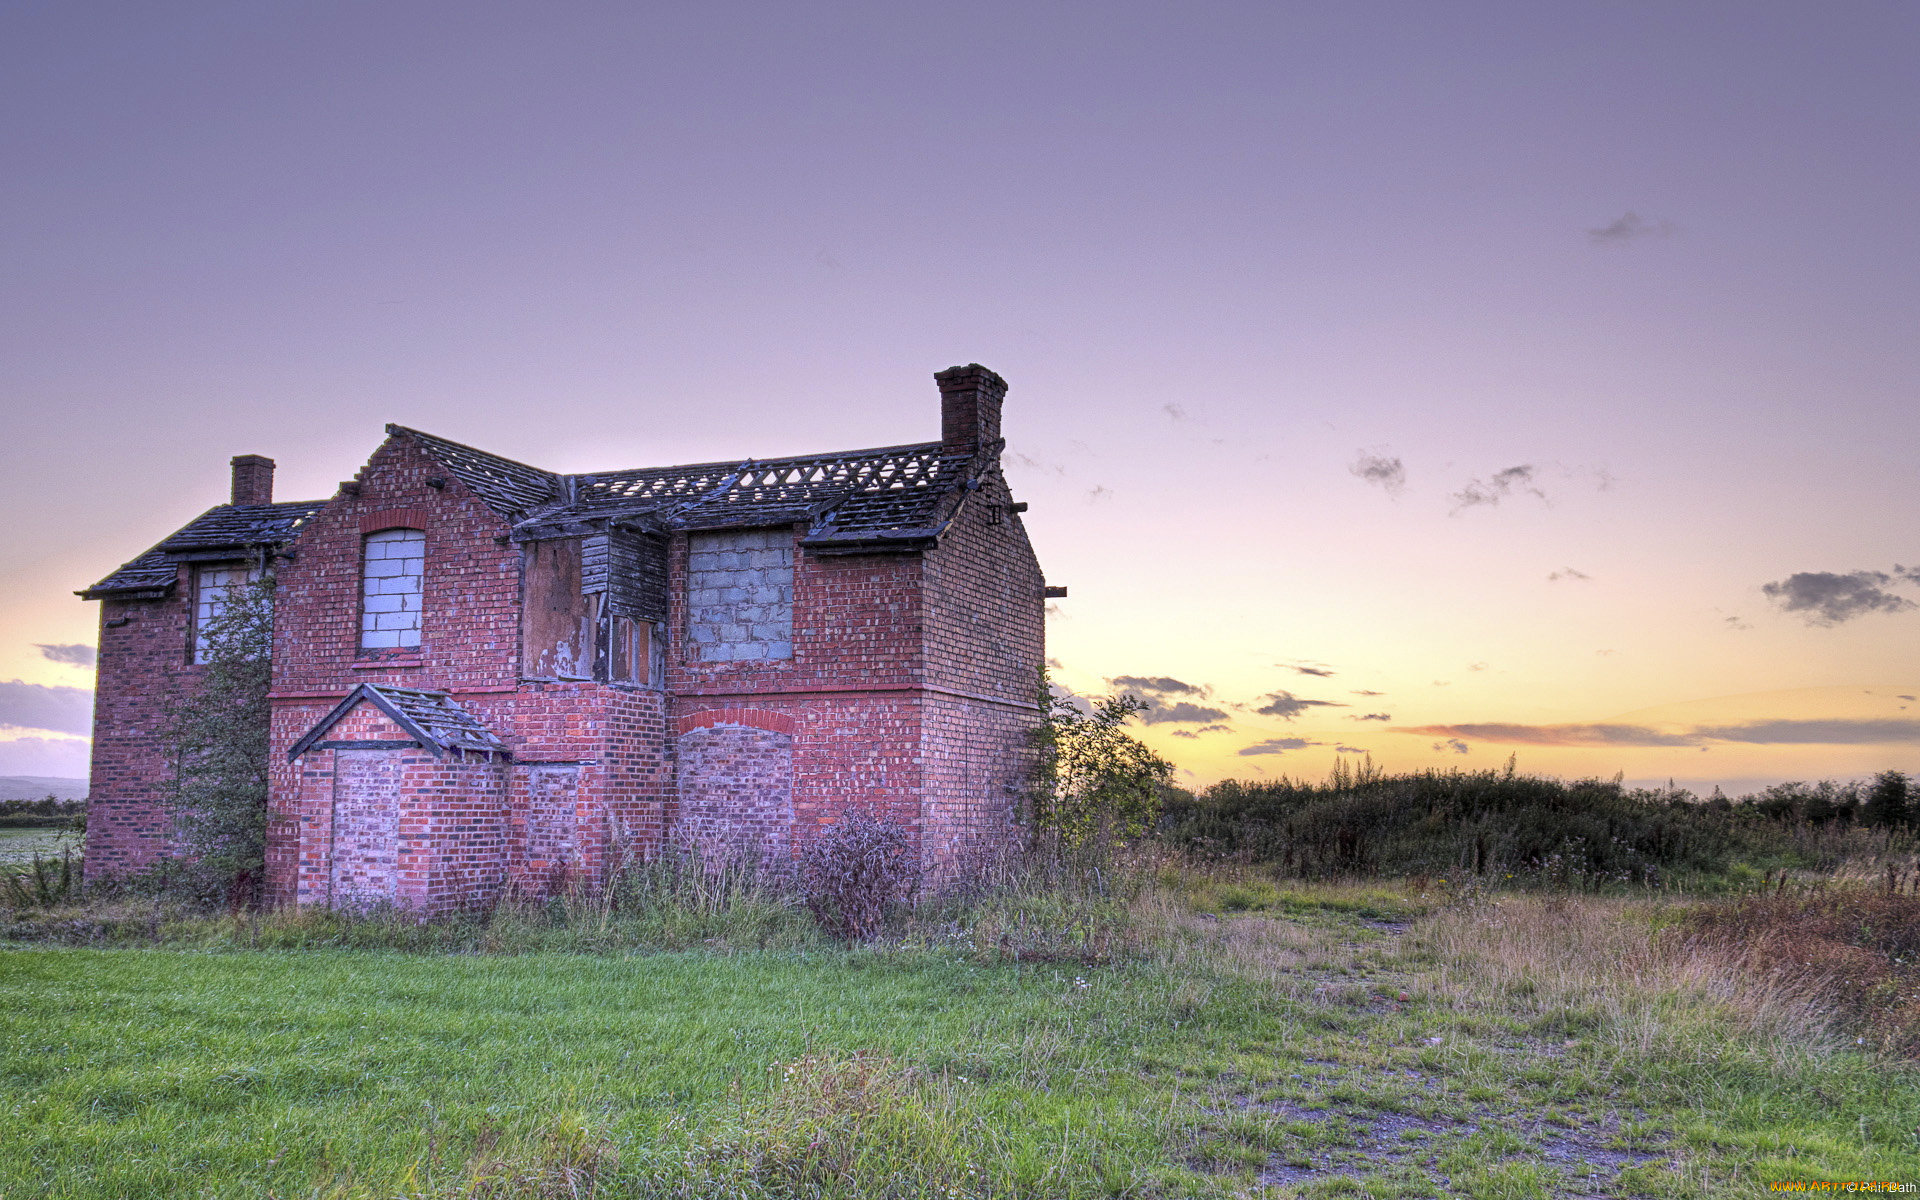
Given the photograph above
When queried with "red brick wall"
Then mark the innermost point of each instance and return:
(453, 832)
(985, 601)
(141, 663)
(427, 833)
(909, 694)
(986, 639)
(856, 624)
(470, 608)
(736, 790)
(850, 693)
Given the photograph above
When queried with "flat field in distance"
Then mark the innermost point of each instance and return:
(19, 846)
(1257, 1040)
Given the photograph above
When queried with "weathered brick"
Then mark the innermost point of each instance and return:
(793, 687)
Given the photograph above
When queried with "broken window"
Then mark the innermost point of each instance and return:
(211, 584)
(392, 582)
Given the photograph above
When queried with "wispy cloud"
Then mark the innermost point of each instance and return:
(1365, 692)
(72, 653)
(1161, 714)
(1320, 672)
(1816, 733)
(1287, 706)
(1828, 598)
(1388, 474)
(1782, 732)
(1568, 573)
(38, 706)
(1455, 745)
(57, 756)
(1278, 746)
(1490, 492)
(1372, 717)
(1554, 735)
(1174, 412)
(1155, 690)
(1350, 749)
(1159, 685)
(1629, 228)
(1033, 464)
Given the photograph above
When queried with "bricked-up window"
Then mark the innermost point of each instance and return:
(211, 583)
(740, 595)
(392, 578)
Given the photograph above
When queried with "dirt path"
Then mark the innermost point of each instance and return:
(1402, 1095)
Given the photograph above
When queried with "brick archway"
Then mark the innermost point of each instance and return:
(752, 718)
(734, 769)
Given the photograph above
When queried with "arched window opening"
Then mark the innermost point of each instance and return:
(391, 586)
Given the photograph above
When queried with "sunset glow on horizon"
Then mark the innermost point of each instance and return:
(1425, 384)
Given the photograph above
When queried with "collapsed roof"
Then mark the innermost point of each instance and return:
(890, 498)
(855, 501)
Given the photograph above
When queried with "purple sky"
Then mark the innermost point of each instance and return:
(1662, 256)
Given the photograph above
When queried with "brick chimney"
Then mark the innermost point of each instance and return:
(970, 399)
(252, 479)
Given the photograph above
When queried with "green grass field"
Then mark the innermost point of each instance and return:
(1538, 1051)
(21, 845)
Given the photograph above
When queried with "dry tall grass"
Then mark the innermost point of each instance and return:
(1854, 950)
(1623, 975)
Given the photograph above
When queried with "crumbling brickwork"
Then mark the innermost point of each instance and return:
(489, 677)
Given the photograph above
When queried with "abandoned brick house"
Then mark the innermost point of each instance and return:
(488, 674)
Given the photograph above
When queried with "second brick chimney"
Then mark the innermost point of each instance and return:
(252, 479)
(970, 399)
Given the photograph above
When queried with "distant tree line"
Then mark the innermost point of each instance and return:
(1884, 802)
(48, 812)
(1527, 830)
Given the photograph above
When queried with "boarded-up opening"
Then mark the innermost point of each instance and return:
(632, 650)
(736, 792)
(557, 622)
(553, 826)
(366, 828)
(740, 595)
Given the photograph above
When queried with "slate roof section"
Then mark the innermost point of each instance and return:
(232, 530)
(432, 718)
(242, 525)
(511, 489)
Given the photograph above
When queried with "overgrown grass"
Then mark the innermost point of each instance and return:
(1169, 1030)
(1850, 951)
(23, 845)
(1519, 831)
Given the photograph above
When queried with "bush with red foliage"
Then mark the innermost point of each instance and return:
(1853, 949)
(852, 872)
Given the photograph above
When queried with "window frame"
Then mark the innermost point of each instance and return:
(364, 614)
(200, 613)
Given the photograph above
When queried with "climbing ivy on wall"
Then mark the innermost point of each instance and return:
(219, 733)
